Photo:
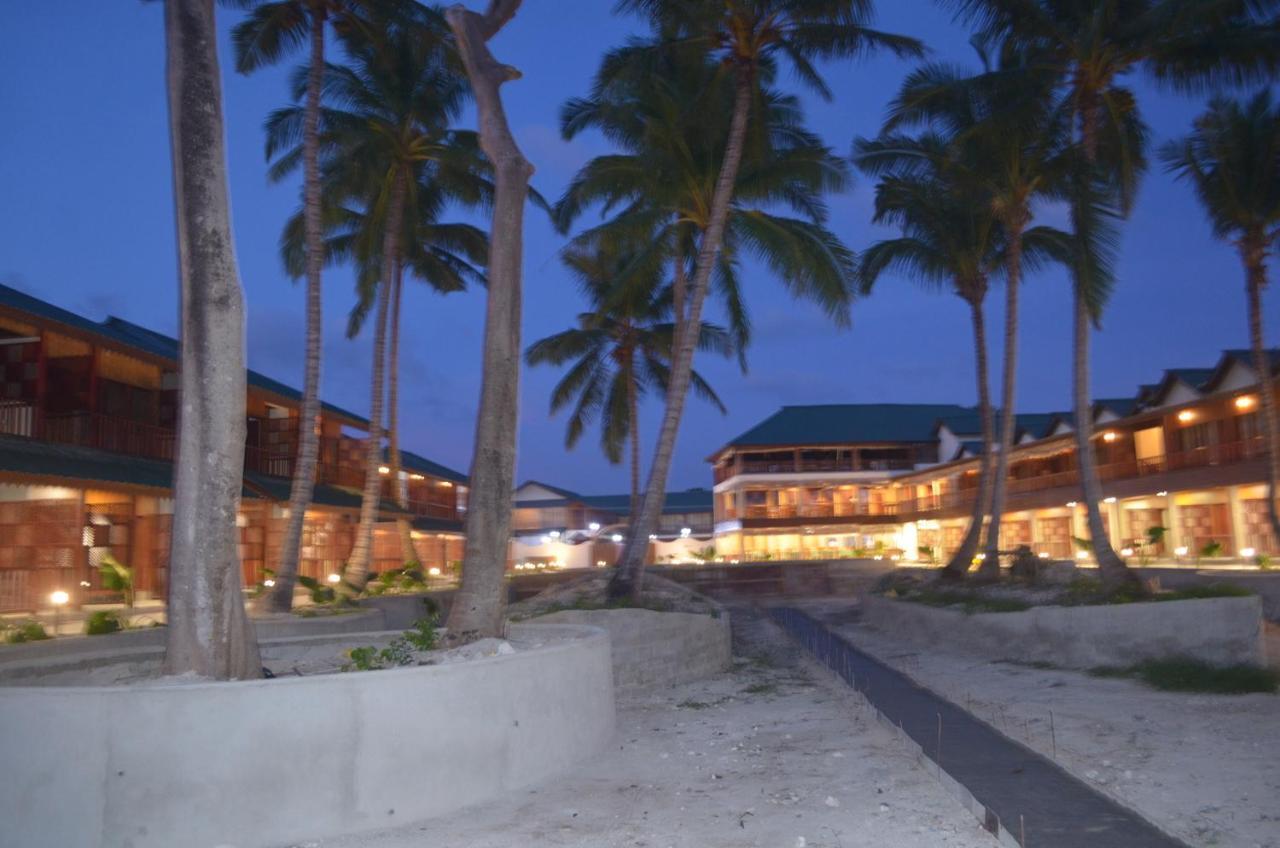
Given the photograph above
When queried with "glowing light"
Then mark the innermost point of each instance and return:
(1071, 504)
(1110, 436)
(1111, 499)
(601, 563)
(59, 598)
(1162, 494)
(593, 526)
(85, 584)
(980, 557)
(831, 543)
(335, 578)
(1044, 555)
(268, 582)
(1128, 552)
(1245, 402)
(382, 469)
(555, 534)
(686, 532)
(653, 537)
(1082, 554)
(433, 571)
(1186, 415)
(416, 477)
(1180, 550)
(616, 537)
(546, 540)
(445, 484)
(1247, 553)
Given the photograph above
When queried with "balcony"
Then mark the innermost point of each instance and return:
(804, 465)
(106, 432)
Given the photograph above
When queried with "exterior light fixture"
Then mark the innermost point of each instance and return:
(269, 583)
(445, 484)
(653, 537)
(416, 477)
(1109, 436)
(335, 578)
(1111, 499)
(593, 526)
(1186, 415)
(59, 598)
(1126, 552)
(1082, 554)
(616, 537)
(85, 584)
(1180, 551)
(1044, 555)
(686, 532)
(555, 534)
(433, 571)
(1247, 553)
(1071, 504)
(1245, 402)
(601, 563)
(382, 469)
(1162, 494)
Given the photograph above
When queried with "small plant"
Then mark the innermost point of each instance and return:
(1178, 674)
(1262, 561)
(116, 577)
(707, 554)
(422, 635)
(363, 659)
(320, 593)
(102, 622)
(925, 552)
(761, 689)
(24, 631)
(1211, 549)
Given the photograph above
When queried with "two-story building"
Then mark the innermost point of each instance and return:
(1185, 454)
(88, 411)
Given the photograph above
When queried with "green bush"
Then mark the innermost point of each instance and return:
(24, 631)
(1187, 675)
(102, 622)
(1211, 549)
(422, 635)
(320, 593)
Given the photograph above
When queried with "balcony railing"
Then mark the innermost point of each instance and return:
(784, 465)
(106, 432)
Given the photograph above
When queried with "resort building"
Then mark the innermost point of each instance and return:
(1185, 454)
(556, 528)
(88, 411)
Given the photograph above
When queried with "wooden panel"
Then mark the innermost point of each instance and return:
(58, 346)
(1257, 527)
(127, 370)
(40, 551)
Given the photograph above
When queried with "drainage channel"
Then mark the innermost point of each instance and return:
(1018, 795)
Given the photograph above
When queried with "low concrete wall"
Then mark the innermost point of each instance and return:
(1222, 631)
(652, 649)
(1266, 584)
(270, 762)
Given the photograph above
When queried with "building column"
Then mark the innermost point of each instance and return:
(1235, 516)
(1173, 526)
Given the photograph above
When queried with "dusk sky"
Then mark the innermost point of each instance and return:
(87, 223)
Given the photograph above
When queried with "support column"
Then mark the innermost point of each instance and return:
(1173, 526)
(1235, 515)
(1114, 530)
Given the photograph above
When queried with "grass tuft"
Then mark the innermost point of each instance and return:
(1183, 674)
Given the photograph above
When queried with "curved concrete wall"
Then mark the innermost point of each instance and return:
(656, 649)
(1222, 631)
(269, 762)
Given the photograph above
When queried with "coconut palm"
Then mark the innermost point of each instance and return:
(1232, 160)
(621, 351)
(1090, 48)
(385, 134)
(1014, 136)
(272, 30)
(699, 148)
(209, 634)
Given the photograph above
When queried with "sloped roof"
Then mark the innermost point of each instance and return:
(970, 423)
(127, 334)
(1119, 406)
(849, 423)
(690, 500)
(411, 461)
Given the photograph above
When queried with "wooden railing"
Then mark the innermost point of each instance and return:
(784, 465)
(106, 432)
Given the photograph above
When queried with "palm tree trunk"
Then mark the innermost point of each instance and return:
(358, 565)
(990, 567)
(209, 634)
(408, 555)
(630, 572)
(958, 566)
(1111, 569)
(633, 413)
(280, 598)
(1257, 280)
(479, 606)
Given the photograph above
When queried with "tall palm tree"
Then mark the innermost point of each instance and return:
(1014, 136)
(747, 37)
(209, 634)
(385, 133)
(273, 29)
(1232, 160)
(621, 351)
(1090, 47)
(702, 151)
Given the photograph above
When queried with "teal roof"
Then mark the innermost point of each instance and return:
(690, 500)
(128, 334)
(850, 423)
(436, 525)
(411, 461)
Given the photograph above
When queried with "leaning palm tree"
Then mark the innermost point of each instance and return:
(384, 134)
(692, 160)
(1090, 47)
(1232, 160)
(747, 38)
(209, 634)
(621, 351)
(1014, 136)
(272, 29)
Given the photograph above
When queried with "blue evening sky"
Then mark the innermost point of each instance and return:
(87, 222)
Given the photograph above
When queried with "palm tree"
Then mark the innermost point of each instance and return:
(273, 29)
(621, 351)
(209, 634)
(1232, 160)
(1089, 48)
(1015, 137)
(384, 135)
(726, 104)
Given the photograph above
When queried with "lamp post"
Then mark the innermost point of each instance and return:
(59, 600)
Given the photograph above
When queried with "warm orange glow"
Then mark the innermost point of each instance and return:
(1109, 436)
(416, 477)
(1245, 402)
(382, 469)
(1186, 415)
(445, 484)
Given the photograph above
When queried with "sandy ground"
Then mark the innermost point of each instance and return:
(1202, 767)
(773, 753)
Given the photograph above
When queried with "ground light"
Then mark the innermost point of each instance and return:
(593, 526)
(59, 600)
(1247, 553)
(268, 582)
(433, 571)
(617, 537)
(335, 578)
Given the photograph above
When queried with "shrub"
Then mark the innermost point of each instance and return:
(1211, 590)
(116, 577)
(320, 593)
(1179, 674)
(422, 635)
(25, 631)
(1211, 549)
(102, 622)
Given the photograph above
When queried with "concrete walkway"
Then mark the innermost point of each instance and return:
(1035, 801)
